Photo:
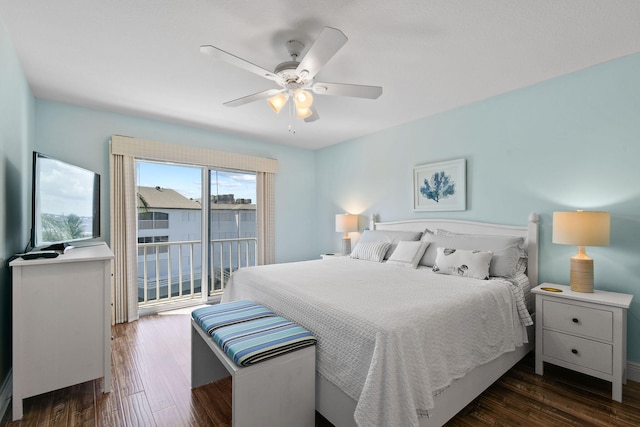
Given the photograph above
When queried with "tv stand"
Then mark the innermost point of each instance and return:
(61, 322)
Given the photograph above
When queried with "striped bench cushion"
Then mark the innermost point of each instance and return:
(216, 316)
(258, 340)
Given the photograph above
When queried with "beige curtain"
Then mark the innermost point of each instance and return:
(124, 151)
(162, 151)
(123, 239)
(265, 217)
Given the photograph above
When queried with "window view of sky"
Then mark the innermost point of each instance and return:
(187, 180)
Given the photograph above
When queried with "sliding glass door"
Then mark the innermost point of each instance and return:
(169, 212)
(232, 224)
(190, 217)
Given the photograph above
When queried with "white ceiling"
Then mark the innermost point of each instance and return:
(142, 57)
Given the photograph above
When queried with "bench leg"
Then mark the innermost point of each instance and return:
(278, 392)
(205, 366)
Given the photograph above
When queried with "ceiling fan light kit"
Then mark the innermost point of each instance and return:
(296, 79)
(303, 99)
(278, 101)
(303, 113)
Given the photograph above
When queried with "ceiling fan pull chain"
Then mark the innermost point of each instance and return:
(292, 119)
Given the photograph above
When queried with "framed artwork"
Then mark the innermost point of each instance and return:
(440, 186)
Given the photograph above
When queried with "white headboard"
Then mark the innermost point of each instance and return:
(529, 232)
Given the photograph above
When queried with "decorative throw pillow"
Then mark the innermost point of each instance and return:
(370, 251)
(461, 262)
(506, 250)
(408, 254)
(390, 236)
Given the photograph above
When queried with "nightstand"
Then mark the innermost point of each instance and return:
(585, 332)
(327, 256)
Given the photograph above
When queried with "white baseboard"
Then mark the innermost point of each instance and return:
(5, 393)
(633, 371)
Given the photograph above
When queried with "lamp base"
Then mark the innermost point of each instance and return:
(581, 273)
(346, 246)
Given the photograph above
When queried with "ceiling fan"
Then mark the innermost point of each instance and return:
(296, 79)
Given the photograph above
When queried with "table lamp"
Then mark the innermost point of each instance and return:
(346, 223)
(581, 229)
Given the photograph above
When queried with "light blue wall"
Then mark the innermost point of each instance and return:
(80, 136)
(16, 142)
(568, 143)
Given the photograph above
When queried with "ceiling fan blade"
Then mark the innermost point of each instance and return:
(321, 51)
(250, 98)
(313, 117)
(238, 62)
(341, 89)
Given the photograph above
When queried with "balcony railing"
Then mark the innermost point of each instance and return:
(172, 271)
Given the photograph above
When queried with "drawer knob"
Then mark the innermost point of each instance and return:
(574, 351)
(575, 320)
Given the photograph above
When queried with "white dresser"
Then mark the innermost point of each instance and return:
(61, 322)
(585, 332)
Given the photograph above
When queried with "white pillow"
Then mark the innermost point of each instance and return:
(390, 236)
(408, 254)
(429, 255)
(370, 251)
(489, 240)
(507, 250)
(504, 262)
(461, 262)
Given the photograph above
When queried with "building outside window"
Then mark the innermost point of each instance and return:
(153, 220)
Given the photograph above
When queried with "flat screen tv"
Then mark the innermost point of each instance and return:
(66, 203)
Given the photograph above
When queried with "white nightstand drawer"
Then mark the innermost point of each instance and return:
(585, 321)
(579, 351)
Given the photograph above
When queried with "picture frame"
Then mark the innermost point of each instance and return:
(440, 186)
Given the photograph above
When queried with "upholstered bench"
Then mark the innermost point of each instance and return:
(212, 317)
(271, 361)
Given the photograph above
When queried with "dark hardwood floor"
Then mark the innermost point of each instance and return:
(150, 368)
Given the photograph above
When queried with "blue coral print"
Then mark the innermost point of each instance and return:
(440, 187)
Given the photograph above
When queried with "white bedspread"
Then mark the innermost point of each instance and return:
(389, 337)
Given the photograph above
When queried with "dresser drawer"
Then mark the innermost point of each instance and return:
(579, 351)
(585, 321)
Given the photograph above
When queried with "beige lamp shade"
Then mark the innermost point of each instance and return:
(581, 229)
(346, 223)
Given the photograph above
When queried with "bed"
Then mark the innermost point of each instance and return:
(407, 346)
